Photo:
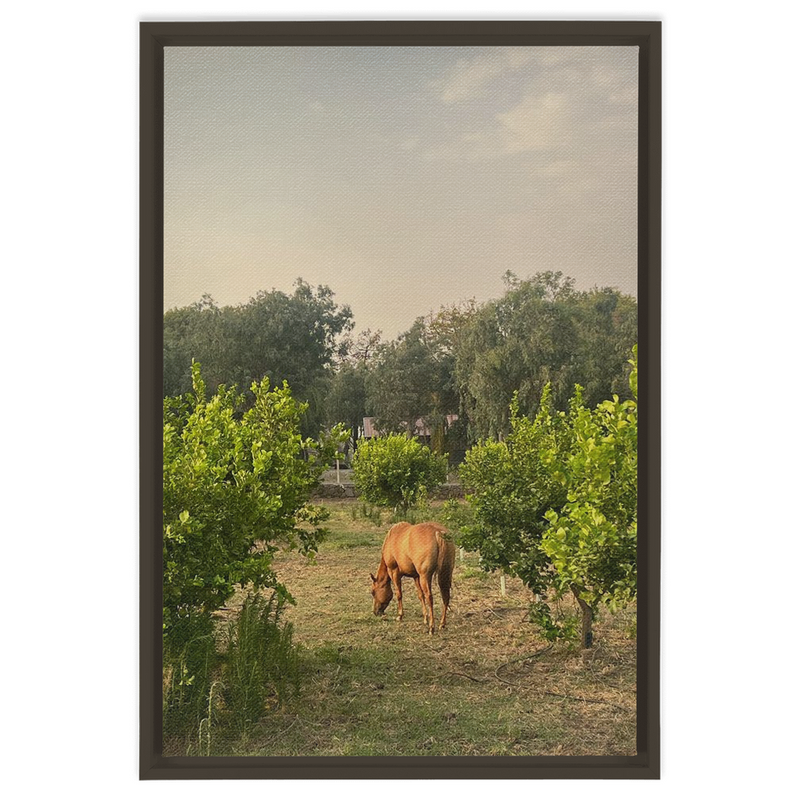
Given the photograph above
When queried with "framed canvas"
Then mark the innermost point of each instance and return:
(404, 244)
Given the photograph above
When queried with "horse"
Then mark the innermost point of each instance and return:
(418, 552)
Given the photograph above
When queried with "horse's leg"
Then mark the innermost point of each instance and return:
(428, 592)
(421, 599)
(397, 580)
(444, 588)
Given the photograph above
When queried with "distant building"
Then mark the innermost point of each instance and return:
(421, 431)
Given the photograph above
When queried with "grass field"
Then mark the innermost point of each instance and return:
(485, 685)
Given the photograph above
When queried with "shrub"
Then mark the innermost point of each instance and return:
(236, 486)
(232, 480)
(396, 471)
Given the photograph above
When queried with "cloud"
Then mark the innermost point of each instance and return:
(539, 122)
(536, 123)
(566, 121)
(468, 79)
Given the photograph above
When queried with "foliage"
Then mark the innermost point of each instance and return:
(359, 351)
(331, 442)
(410, 380)
(465, 359)
(510, 490)
(347, 399)
(235, 488)
(189, 659)
(456, 516)
(591, 540)
(396, 471)
(285, 337)
(541, 331)
(553, 627)
(261, 661)
(555, 503)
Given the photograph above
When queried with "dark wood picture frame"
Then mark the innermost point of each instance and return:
(154, 37)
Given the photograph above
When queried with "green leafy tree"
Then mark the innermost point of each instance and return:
(236, 488)
(396, 471)
(555, 502)
(541, 331)
(410, 380)
(591, 540)
(292, 337)
(346, 402)
(198, 331)
(510, 489)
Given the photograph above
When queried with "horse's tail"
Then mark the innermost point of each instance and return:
(445, 563)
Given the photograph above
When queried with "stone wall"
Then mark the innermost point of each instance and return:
(332, 491)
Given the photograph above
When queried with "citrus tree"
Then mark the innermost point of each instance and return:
(591, 540)
(510, 489)
(396, 471)
(555, 503)
(236, 488)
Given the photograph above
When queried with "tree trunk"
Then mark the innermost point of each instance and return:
(437, 438)
(586, 618)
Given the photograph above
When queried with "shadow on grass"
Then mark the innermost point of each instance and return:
(367, 702)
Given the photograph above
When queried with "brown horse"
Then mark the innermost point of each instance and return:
(418, 552)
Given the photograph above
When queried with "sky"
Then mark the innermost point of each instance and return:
(405, 178)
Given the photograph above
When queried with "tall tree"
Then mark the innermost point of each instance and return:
(194, 331)
(283, 337)
(346, 399)
(346, 402)
(287, 337)
(411, 380)
(541, 331)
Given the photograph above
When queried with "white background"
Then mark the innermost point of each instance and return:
(69, 330)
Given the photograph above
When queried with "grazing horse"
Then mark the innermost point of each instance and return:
(418, 552)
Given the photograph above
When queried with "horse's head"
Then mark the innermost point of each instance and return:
(381, 594)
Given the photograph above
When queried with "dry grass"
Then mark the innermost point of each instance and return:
(486, 685)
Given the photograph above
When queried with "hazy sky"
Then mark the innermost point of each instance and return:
(402, 177)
